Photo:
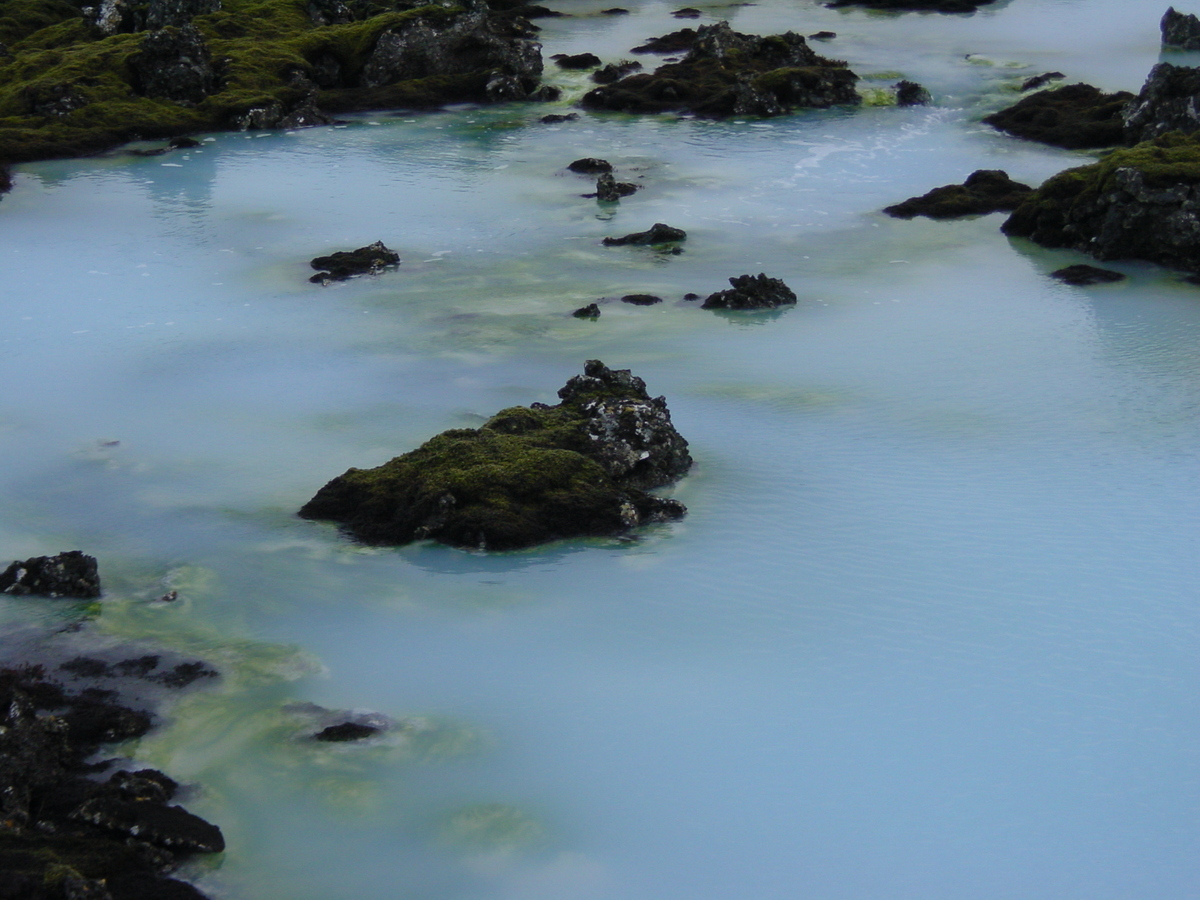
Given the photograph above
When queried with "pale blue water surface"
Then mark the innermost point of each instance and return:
(930, 629)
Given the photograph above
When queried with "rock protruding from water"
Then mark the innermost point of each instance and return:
(529, 475)
(726, 73)
(174, 64)
(609, 190)
(946, 6)
(984, 191)
(1135, 203)
(346, 731)
(576, 60)
(1180, 30)
(369, 260)
(1076, 116)
(589, 165)
(751, 292)
(657, 234)
(591, 311)
(616, 71)
(909, 93)
(1168, 101)
(71, 573)
(1082, 275)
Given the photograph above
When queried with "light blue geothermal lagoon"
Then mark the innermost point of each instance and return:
(930, 631)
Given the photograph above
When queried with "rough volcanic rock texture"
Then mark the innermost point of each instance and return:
(1075, 116)
(174, 64)
(1180, 30)
(984, 191)
(1169, 101)
(751, 292)
(69, 574)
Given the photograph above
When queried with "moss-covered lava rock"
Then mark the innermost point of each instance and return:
(529, 475)
(1075, 116)
(984, 191)
(1135, 203)
(79, 81)
(726, 73)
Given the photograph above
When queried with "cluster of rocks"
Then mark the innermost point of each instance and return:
(746, 293)
(608, 189)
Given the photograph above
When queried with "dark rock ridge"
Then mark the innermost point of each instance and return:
(1135, 203)
(529, 475)
(369, 260)
(1180, 30)
(641, 299)
(1082, 275)
(751, 292)
(1076, 116)
(949, 6)
(1037, 81)
(1167, 102)
(71, 573)
(675, 42)
(984, 191)
(658, 234)
(726, 73)
(65, 835)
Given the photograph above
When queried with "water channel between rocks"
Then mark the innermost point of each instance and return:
(929, 630)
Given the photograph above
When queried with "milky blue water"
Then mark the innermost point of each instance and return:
(930, 629)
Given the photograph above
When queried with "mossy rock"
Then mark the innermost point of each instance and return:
(984, 191)
(1077, 116)
(529, 475)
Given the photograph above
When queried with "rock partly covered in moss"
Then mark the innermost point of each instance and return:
(751, 292)
(369, 260)
(949, 6)
(65, 835)
(1075, 116)
(1167, 102)
(1135, 203)
(529, 475)
(984, 191)
(726, 73)
(71, 573)
(76, 82)
(1180, 30)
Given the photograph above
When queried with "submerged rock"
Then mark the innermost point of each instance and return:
(1167, 102)
(1082, 275)
(69, 574)
(984, 191)
(658, 234)
(1076, 116)
(346, 731)
(641, 299)
(751, 292)
(1136, 203)
(1180, 30)
(726, 73)
(369, 260)
(591, 311)
(529, 475)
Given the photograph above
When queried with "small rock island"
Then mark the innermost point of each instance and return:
(529, 475)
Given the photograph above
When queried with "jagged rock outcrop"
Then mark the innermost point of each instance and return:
(174, 64)
(616, 71)
(1136, 203)
(1076, 116)
(1180, 30)
(344, 264)
(71, 573)
(984, 191)
(657, 234)
(909, 93)
(726, 73)
(125, 16)
(751, 292)
(528, 475)
(609, 190)
(1168, 101)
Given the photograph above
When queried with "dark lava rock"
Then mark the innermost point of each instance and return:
(909, 93)
(615, 11)
(177, 13)
(65, 836)
(726, 73)
(950, 6)
(687, 12)
(1042, 80)
(691, 296)
(1168, 102)
(674, 42)
(1180, 30)
(1076, 116)
(53, 100)
(69, 574)
(577, 61)
(555, 118)
(590, 166)
(528, 475)
(609, 190)
(751, 292)
(822, 36)
(174, 64)
(641, 299)
(1082, 275)
(591, 311)
(658, 234)
(984, 191)
(346, 731)
(344, 264)
(616, 71)
(111, 17)
(1135, 203)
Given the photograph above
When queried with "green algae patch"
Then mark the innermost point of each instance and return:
(529, 475)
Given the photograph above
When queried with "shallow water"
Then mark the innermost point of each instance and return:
(929, 629)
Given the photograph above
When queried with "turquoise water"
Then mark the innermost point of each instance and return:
(928, 631)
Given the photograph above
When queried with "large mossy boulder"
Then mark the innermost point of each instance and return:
(984, 191)
(1076, 116)
(726, 73)
(529, 475)
(1137, 203)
